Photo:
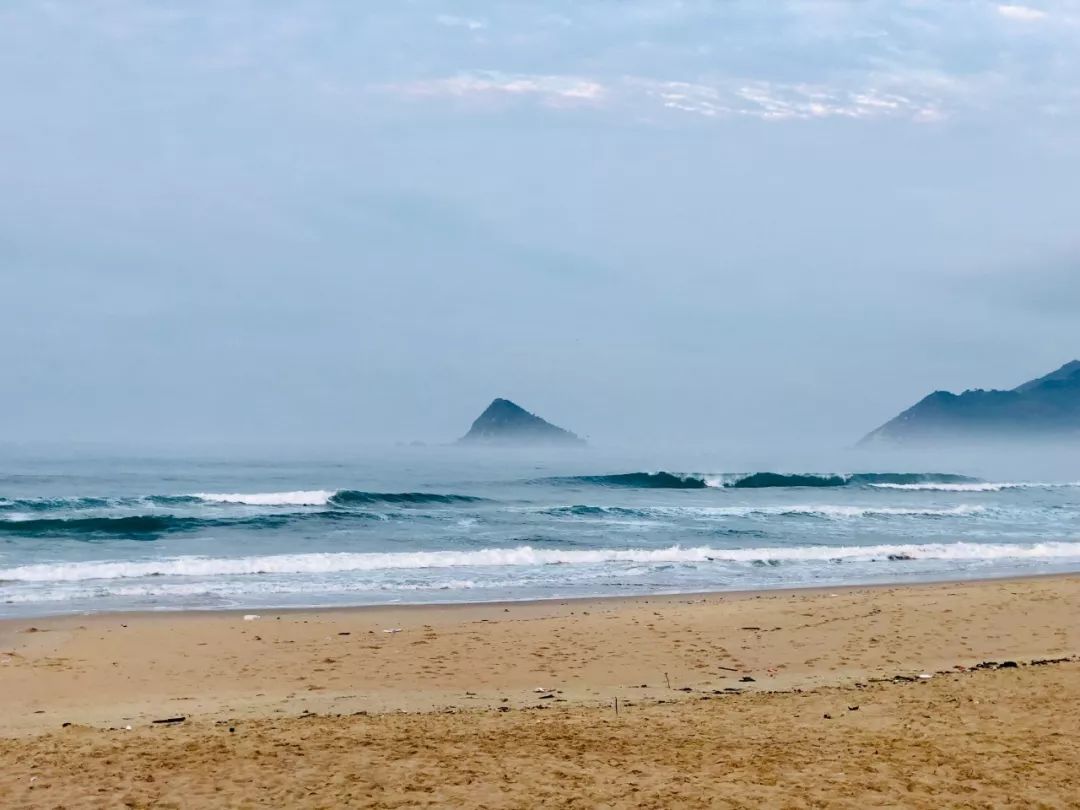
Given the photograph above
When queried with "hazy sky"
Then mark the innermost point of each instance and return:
(672, 220)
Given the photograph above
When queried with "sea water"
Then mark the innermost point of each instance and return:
(446, 525)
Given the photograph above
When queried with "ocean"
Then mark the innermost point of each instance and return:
(446, 525)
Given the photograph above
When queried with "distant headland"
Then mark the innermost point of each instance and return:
(506, 423)
(1045, 408)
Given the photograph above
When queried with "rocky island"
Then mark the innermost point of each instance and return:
(506, 423)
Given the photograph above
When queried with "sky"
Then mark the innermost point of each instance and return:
(645, 220)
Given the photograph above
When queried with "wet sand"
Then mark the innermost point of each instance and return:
(722, 702)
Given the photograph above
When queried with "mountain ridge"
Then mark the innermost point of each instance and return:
(1048, 406)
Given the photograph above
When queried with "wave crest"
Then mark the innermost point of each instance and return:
(823, 511)
(639, 480)
(350, 497)
(760, 480)
(151, 526)
(313, 497)
(344, 562)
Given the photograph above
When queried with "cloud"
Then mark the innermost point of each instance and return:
(777, 102)
(767, 101)
(549, 88)
(1020, 13)
(451, 21)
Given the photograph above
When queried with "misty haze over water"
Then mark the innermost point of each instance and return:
(262, 267)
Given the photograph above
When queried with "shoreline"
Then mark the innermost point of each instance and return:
(544, 600)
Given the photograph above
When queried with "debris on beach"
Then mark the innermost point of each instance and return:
(1014, 665)
(250, 617)
(168, 720)
(392, 630)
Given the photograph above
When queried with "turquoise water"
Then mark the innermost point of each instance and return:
(440, 526)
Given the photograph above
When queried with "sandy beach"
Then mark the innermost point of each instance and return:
(874, 696)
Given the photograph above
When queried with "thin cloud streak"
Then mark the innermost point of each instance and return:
(767, 101)
(493, 83)
(1021, 13)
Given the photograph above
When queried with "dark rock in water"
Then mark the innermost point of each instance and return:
(503, 422)
(1046, 408)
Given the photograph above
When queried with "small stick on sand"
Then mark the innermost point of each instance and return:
(666, 678)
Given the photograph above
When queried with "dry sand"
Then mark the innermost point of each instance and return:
(453, 717)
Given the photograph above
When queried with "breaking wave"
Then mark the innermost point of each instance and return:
(343, 497)
(763, 480)
(350, 497)
(639, 480)
(149, 526)
(344, 562)
(315, 497)
(299, 498)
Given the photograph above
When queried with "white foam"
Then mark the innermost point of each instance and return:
(315, 497)
(976, 487)
(930, 487)
(17, 517)
(847, 512)
(230, 590)
(832, 512)
(339, 562)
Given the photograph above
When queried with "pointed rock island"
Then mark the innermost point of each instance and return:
(506, 423)
(1046, 408)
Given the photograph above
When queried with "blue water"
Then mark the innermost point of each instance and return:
(445, 526)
